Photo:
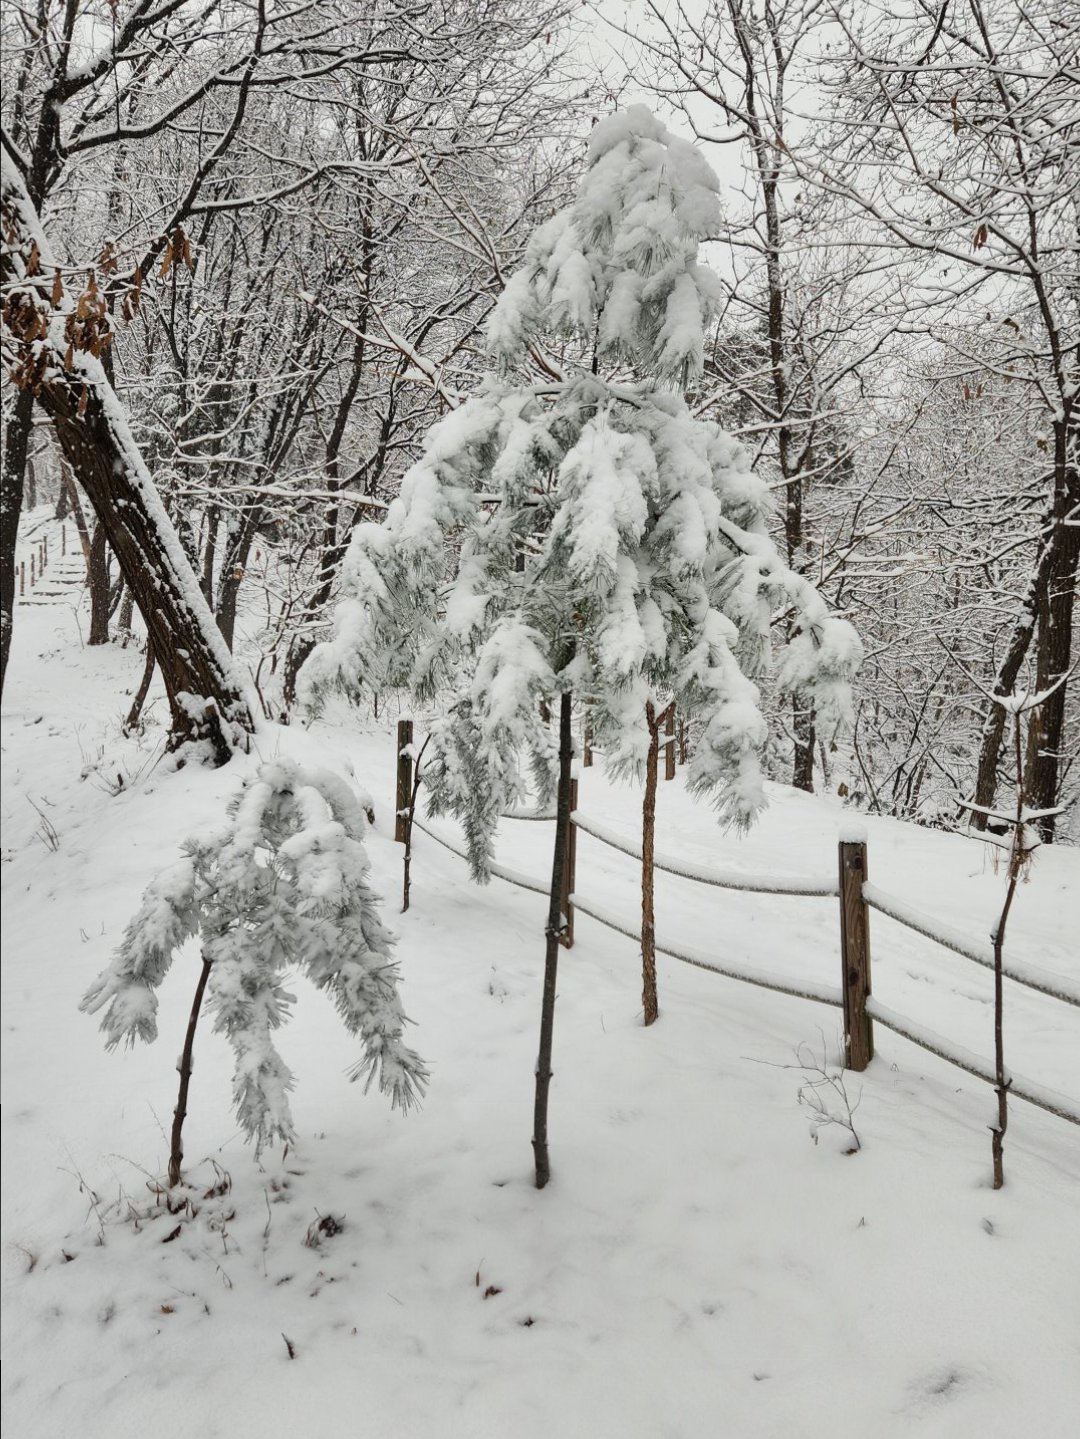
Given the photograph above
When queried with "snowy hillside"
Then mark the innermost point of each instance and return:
(697, 1266)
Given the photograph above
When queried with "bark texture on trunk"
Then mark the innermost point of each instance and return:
(1053, 655)
(53, 349)
(802, 773)
(98, 575)
(1005, 681)
(200, 687)
(12, 479)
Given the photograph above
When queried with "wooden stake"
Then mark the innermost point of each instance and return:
(669, 747)
(63, 541)
(855, 955)
(22, 577)
(33, 571)
(406, 881)
(566, 937)
(404, 780)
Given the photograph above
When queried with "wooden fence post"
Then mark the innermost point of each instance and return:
(669, 742)
(855, 955)
(404, 779)
(22, 577)
(569, 880)
(33, 569)
(63, 541)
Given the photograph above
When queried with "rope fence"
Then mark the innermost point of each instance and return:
(732, 879)
(857, 896)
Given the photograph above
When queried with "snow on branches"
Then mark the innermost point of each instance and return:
(592, 534)
(283, 884)
(619, 266)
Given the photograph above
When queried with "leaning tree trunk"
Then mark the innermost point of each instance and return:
(194, 663)
(52, 348)
(551, 959)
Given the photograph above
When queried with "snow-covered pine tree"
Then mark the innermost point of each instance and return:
(580, 529)
(647, 567)
(282, 885)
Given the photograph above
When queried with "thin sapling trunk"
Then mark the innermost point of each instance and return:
(1017, 856)
(176, 1149)
(648, 834)
(551, 960)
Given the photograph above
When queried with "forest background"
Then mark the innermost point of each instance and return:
(274, 232)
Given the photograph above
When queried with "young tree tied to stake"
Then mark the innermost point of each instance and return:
(648, 574)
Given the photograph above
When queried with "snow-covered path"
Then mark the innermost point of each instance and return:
(696, 1267)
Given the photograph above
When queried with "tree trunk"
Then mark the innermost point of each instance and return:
(97, 574)
(1053, 654)
(67, 485)
(135, 712)
(551, 959)
(213, 520)
(1017, 858)
(127, 608)
(240, 537)
(802, 773)
(334, 545)
(1007, 675)
(194, 665)
(63, 504)
(176, 1139)
(648, 834)
(12, 479)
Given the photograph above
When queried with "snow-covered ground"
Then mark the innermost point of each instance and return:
(697, 1265)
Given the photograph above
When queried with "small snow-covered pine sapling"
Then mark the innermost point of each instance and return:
(648, 574)
(283, 885)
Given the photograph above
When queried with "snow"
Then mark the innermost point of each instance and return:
(982, 953)
(697, 1265)
(724, 879)
(623, 256)
(1049, 1099)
